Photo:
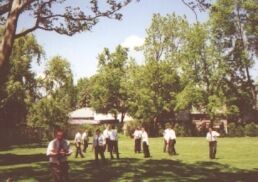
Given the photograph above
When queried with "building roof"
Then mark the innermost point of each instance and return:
(85, 112)
(88, 115)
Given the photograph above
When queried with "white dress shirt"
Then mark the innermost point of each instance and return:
(54, 147)
(212, 136)
(169, 134)
(85, 137)
(78, 137)
(113, 135)
(105, 133)
(137, 134)
(145, 137)
(98, 140)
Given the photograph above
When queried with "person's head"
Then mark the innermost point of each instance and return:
(143, 129)
(210, 129)
(97, 132)
(113, 127)
(59, 134)
(168, 125)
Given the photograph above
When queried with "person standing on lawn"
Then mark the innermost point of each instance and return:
(113, 136)
(145, 143)
(106, 139)
(166, 136)
(57, 151)
(78, 142)
(137, 140)
(85, 140)
(172, 142)
(212, 138)
(98, 145)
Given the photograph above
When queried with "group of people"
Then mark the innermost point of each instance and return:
(59, 148)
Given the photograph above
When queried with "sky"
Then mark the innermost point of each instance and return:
(82, 49)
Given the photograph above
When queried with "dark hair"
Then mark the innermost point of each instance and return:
(98, 130)
(59, 130)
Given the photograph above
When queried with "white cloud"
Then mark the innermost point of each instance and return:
(133, 41)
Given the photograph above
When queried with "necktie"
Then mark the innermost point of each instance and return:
(97, 141)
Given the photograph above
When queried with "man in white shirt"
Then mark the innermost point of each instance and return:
(98, 145)
(212, 138)
(166, 137)
(106, 139)
(113, 137)
(78, 142)
(170, 140)
(57, 151)
(137, 140)
(85, 140)
(145, 143)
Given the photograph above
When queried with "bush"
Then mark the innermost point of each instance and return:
(251, 130)
(235, 130)
(185, 130)
(130, 127)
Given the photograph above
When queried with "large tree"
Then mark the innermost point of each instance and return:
(57, 96)
(109, 91)
(18, 85)
(47, 15)
(235, 30)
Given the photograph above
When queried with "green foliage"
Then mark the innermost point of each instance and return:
(83, 90)
(57, 97)
(234, 29)
(109, 90)
(251, 130)
(235, 130)
(18, 83)
(131, 126)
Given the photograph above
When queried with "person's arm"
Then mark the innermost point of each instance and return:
(217, 134)
(207, 137)
(50, 150)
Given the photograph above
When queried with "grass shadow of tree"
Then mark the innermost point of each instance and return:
(131, 169)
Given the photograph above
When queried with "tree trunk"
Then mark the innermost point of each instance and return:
(9, 33)
(122, 117)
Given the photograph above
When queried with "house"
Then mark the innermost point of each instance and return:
(88, 116)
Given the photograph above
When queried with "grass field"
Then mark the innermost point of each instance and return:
(237, 160)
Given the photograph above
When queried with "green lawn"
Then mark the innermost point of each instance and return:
(237, 161)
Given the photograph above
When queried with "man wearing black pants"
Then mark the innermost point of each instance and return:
(212, 138)
(78, 142)
(113, 142)
(145, 143)
(98, 144)
(137, 140)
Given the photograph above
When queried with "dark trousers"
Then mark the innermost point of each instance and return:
(85, 146)
(107, 145)
(165, 146)
(171, 147)
(137, 145)
(213, 149)
(99, 150)
(78, 150)
(60, 171)
(146, 150)
(114, 148)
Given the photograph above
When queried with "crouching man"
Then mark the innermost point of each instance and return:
(57, 151)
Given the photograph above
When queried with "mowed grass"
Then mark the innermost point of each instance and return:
(237, 160)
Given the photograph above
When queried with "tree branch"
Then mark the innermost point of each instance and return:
(192, 9)
(5, 8)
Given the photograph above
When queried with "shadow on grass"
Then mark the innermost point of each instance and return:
(31, 146)
(131, 169)
(11, 159)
